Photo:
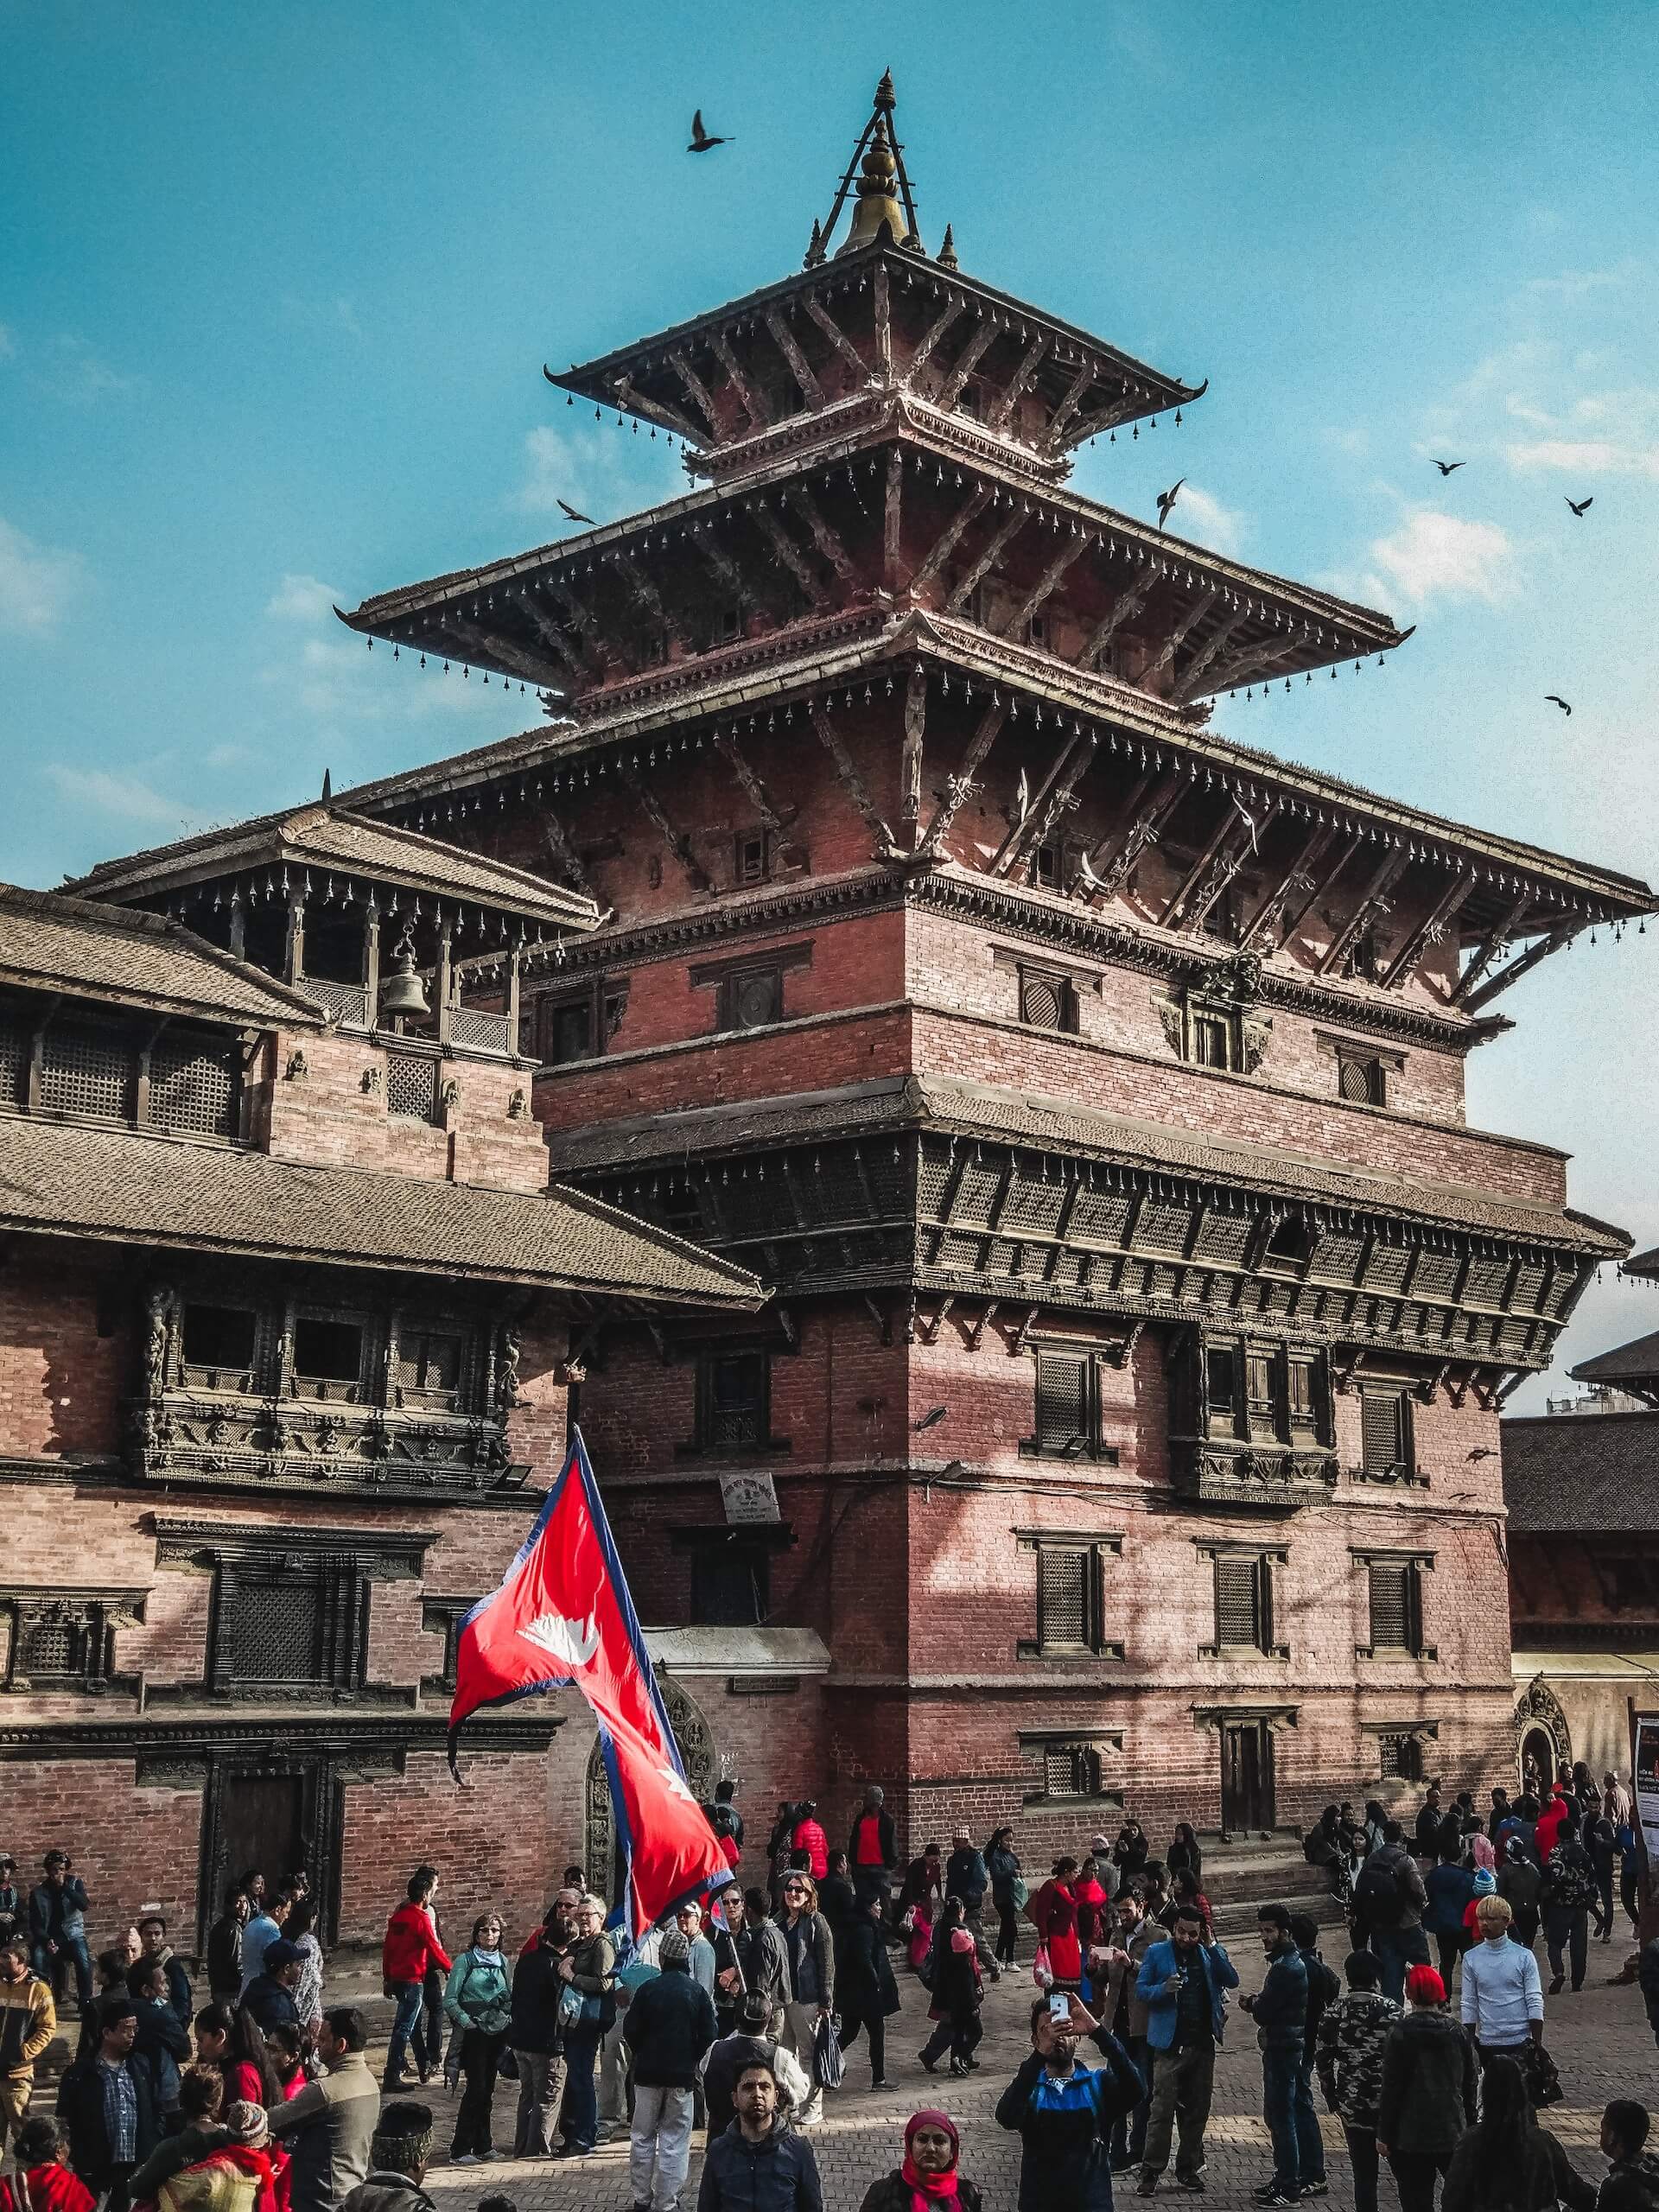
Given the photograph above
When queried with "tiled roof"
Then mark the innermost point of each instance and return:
(1568, 1471)
(334, 838)
(1020, 1117)
(1637, 1361)
(63, 1180)
(1644, 1263)
(91, 950)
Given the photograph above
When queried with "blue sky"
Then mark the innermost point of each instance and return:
(276, 285)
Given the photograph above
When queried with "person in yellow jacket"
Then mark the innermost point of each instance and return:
(28, 2020)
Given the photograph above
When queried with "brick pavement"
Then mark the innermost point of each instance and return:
(1600, 2042)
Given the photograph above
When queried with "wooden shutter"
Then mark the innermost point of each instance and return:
(1394, 1605)
(1238, 1604)
(1065, 1582)
(1382, 1430)
(1062, 1400)
(1360, 1081)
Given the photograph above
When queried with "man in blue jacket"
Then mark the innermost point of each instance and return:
(1183, 1984)
(1280, 2011)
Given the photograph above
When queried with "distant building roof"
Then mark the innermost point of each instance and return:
(1596, 1473)
(50, 942)
(951, 1104)
(1636, 1361)
(58, 1179)
(1644, 1263)
(331, 838)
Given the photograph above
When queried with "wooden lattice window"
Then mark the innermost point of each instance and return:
(1396, 1606)
(276, 1630)
(1361, 1082)
(328, 1358)
(1070, 1408)
(87, 1070)
(1047, 1000)
(13, 1062)
(1385, 1433)
(411, 1085)
(734, 1401)
(1070, 1770)
(1399, 1755)
(429, 1364)
(1071, 1599)
(1243, 1602)
(193, 1086)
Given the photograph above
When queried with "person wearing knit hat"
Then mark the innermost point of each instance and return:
(669, 2026)
(398, 2152)
(928, 2181)
(1427, 2096)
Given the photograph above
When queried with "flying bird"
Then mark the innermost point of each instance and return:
(1446, 467)
(1557, 700)
(932, 1420)
(1022, 797)
(1578, 505)
(574, 514)
(1482, 1452)
(700, 142)
(1167, 501)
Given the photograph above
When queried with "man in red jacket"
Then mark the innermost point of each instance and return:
(1548, 1830)
(810, 1837)
(411, 1945)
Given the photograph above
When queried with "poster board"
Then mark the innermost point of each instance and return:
(1645, 1780)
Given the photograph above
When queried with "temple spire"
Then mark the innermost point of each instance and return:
(886, 206)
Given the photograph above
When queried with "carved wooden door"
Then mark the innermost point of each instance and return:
(1246, 1777)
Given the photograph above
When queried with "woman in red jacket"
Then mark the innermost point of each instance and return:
(411, 1945)
(810, 1837)
(1054, 1915)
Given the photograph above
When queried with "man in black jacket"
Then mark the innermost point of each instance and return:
(1280, 2011)
(270, 1996)
(667, 2027)
(105, 2102)
(759, 2165)
(749, 1954)
(57, 1927)
(224, 1947)
(534, 2032)
(1632, 2183)
(1323, 1989)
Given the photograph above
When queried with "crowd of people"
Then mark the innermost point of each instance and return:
(735, 2018)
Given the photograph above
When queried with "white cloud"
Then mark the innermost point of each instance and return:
(556, 469)
(128, 797)
(36, 582)
(1573, 285)
(1586, 457)
(1203, 518)
(301, 599)
(1357, 442)
(1435, 556)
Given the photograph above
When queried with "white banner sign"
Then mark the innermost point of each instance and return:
(1646, 1782)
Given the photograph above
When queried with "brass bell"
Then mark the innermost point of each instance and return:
(402, 992)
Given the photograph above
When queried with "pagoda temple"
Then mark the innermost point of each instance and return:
(1085, 1086)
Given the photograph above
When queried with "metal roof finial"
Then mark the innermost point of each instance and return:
(886, 204)
(947, 253)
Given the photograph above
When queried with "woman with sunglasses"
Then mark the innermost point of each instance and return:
(811, 1947)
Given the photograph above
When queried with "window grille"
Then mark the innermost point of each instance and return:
(1062, 1401)
(1101, 1216)
(1337, 1258)
(50, 1648)
(192, 1088)
(1436, 1275)
(1487, 1282)
(1032, 1204)
(1164, 1227)
(1400, 1756)
(1384, 1440)
(86, 1070)
(1386, 1269)
(734, 1393)
(932, 1184)
(14, 1063)
(428, 1362)
(1242, 1608)
(1047, 1001)
(1362, 1082)
(1224, 1236)
(276, 1629)
(730, 1583)
(982, 1179)
(411, 1084)
(1070, 1770)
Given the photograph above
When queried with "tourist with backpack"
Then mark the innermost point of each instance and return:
(1569, 1890)
(1389, 1902)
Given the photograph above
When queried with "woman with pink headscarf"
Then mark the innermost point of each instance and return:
(928, 2180)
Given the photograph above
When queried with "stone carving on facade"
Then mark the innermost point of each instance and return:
(517, 1105)
(158, 1315)
(1253, 1032)
(297, 1069)
(1538, 1707)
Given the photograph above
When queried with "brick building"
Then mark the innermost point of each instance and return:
(1584, 1557)
(1085, 1086)
(286, 1310)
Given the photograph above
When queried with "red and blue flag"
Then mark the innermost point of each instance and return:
(562, 1618)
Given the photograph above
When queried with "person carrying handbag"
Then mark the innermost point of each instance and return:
(811, 1951)
(587, 2012)
(478, 1999)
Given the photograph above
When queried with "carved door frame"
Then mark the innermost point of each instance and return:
(698, 1755)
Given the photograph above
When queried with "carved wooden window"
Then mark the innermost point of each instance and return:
(277, 1628)
(753, 858)
(411, 1085)
(1302, 1395)
(1071, 1598)
(219, 1346)
(1048, 1000)
(1396, 1606)
(1290, 1244)
(64, 1640)
(731, 1580)
(1243, 1602)
(1399, 1755)
(1072, 1770)
(1261, 1392)
(1385, 1433)
(193, 1086)
(1069, 1421)
(329, 1358)
(87, 1070)
(430, 1366)
(734, 1401)
(1264, 1392)
(1212, 1038)
(13, 1061)
(752, 998)
(1361, 1082)
(727, 627)
(1037, 632)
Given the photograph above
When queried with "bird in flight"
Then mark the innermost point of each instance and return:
(1446, 467)
(701, 141)
(933, 1419)
(574, 514)
(1555, 699)
(1578, 505)
(1167, 501)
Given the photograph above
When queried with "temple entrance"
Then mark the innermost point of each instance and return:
(1537, 1760)
(698, 1755)
(1246, 1775)
(1541, 1733)
(261, 1823)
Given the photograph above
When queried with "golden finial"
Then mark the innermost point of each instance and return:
(947, 253)
(814, 247)
(886, 207)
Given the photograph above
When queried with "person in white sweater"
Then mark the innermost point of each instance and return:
(1503, 2004)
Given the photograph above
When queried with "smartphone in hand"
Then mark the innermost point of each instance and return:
(1059, 2005)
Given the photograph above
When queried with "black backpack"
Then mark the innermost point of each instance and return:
(1378, 1896)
